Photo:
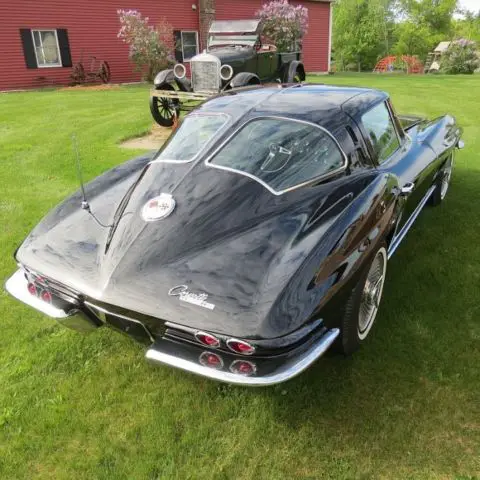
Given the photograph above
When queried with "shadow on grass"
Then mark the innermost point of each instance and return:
(414, 381)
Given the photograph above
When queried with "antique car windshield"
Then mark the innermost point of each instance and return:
(280, 153)
(221, 40)
(194, 133)
(233, 32)
(238, 26)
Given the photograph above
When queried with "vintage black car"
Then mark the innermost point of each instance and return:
(254, 240)
(235, 58)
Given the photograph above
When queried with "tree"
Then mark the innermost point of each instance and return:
(468, 27)
(361, 31)
(461, 57)
(436, 15)
(424, 24)
(284, 24)
(366, 30)
(150, 48)
(412, 39)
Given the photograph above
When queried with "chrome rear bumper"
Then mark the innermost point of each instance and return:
(285, 371)
(69, 317)
(270, 371)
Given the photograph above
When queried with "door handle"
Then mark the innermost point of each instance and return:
(407, 189)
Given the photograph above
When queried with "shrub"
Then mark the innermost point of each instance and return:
(461, 57)
(150, 48)
(284, 25)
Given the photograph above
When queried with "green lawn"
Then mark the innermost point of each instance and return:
(407, 406)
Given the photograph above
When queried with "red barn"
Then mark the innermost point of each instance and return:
(40, 41)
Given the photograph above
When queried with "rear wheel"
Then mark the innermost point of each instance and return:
(363, 304)
(443, 181)
(164, 109)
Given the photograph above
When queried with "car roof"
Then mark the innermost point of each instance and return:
(325, 105)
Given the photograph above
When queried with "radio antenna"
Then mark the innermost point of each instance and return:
(85, 205)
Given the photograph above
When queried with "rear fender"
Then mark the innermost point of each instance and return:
(366, 224)
(319, 287)
(243, 79)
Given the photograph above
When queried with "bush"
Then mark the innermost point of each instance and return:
(461, 57)
(284, 25)
(151, 49)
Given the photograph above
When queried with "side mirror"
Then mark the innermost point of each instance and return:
(460, 144)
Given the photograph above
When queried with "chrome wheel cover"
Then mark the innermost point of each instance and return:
(372, 293)
(447, 175)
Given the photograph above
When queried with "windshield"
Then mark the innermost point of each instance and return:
(241, 40)
(195, 131)
(234, 26)
(280, 153)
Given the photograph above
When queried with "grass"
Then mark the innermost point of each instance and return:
(407, 406)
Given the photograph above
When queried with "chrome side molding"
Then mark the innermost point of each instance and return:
(397, 239)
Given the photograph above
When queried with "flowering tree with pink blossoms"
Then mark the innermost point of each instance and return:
(460, 57)
(284, 25)
(151, 47)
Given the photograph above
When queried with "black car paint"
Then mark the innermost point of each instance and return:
(273, 265)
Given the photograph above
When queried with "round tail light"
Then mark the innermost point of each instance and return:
(46, 296)
(242, 367)
(241, 347)
(32, 289)
(211, 360)
(207, 339)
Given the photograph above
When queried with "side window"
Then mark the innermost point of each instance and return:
(381, 131)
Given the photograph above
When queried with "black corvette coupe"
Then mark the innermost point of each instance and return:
(254, 240)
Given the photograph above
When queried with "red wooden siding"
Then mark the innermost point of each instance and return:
(92, 28)
(316, 42)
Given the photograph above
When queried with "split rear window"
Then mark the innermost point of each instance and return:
(194, 133)
(280, 153)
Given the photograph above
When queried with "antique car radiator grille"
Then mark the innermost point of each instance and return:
(205, 76)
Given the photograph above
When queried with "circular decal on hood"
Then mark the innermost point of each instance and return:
(158, 207)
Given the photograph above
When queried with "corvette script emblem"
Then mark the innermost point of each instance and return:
(200, 299)
(158, 207)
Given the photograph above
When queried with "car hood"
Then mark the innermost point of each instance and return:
(228, 238)
(232, 55)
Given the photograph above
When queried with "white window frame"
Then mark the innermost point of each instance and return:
(196, 43)
(51, 65)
